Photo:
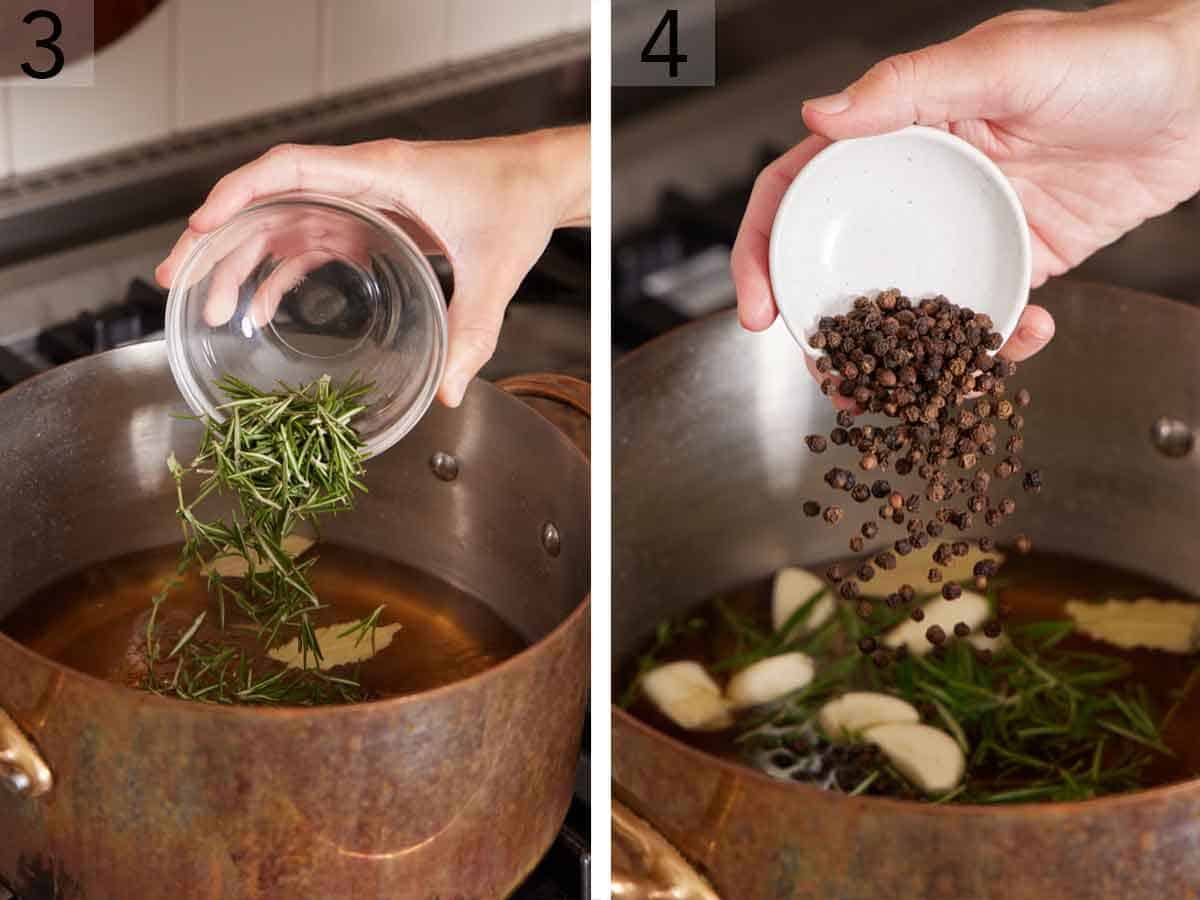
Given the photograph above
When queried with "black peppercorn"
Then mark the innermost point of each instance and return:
(935, 575)
(902, 547)
(865, 572)
(839, 436)
(987, 544)
(836, 572)
(869, 530)
(1032, 481)
(961, 629)
(856, 544)
(816, 443)
(917, 614)
(1023, 544)
(992, 629)
(951, 590)
(936, 635)
(811, 508)
(866, 645)
(886, 560)
(832, 515)
(861, 493)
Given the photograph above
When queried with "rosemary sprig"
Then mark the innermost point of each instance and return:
(287, 457)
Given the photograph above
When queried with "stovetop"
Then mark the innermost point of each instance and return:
(546, 327)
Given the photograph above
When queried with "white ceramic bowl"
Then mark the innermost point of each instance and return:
(917, 209)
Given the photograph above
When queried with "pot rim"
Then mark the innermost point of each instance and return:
(1055, 808)
(1070, 807)
(580, 610)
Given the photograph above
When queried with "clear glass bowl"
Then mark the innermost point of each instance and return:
(304, 285)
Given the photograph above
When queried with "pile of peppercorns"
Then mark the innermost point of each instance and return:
(929, 366)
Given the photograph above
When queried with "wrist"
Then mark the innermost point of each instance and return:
(561, 158)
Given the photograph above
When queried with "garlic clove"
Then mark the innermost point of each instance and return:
(928, 757)
(793, 588)
(687, 695)
(971, 608)
(769, 679)
(845, 717)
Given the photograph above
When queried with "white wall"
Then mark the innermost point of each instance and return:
(198, 63)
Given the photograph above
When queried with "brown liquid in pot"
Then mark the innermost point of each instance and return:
(95, 620)
(1038, 587)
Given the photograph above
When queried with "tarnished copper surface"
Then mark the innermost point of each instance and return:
(646, 866)
(564, 400)
(22, 769)
(452, 793)
(708, 466)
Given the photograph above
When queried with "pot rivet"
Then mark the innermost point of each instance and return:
(551, 539)
(1171, 437)
(444, 466)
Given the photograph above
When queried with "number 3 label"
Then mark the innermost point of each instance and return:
(48, 43)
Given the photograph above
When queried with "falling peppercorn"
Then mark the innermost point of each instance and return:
(961, 629)
(936, 635)
(951, 590)
(811, 508)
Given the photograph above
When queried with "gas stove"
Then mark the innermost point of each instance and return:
(675, 267)
(546, 327)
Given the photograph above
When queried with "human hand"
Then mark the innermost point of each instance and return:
(1094, 117)
(490, 205)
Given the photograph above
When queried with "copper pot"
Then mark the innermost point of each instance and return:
(456, 792)
(709, 469)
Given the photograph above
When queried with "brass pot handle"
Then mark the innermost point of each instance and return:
(548, 393)
(22, 769)
(647, 867)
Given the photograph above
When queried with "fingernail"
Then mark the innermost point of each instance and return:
(830, 105)
(1036, 333)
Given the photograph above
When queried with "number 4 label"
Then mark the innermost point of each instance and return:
(670, 23)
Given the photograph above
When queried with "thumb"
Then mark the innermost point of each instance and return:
(961, 79)
(474, 318)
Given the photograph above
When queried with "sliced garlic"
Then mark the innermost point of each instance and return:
(337, 647)
(687, 695)
(1172, 626)
(928, 757)
(234, 565)
(845, 717)
(971, 608)
(794, 587)
(769, 679)
(914, 569)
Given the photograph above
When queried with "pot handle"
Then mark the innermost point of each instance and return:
(22, 769)
(565, 401)
(647, 867)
